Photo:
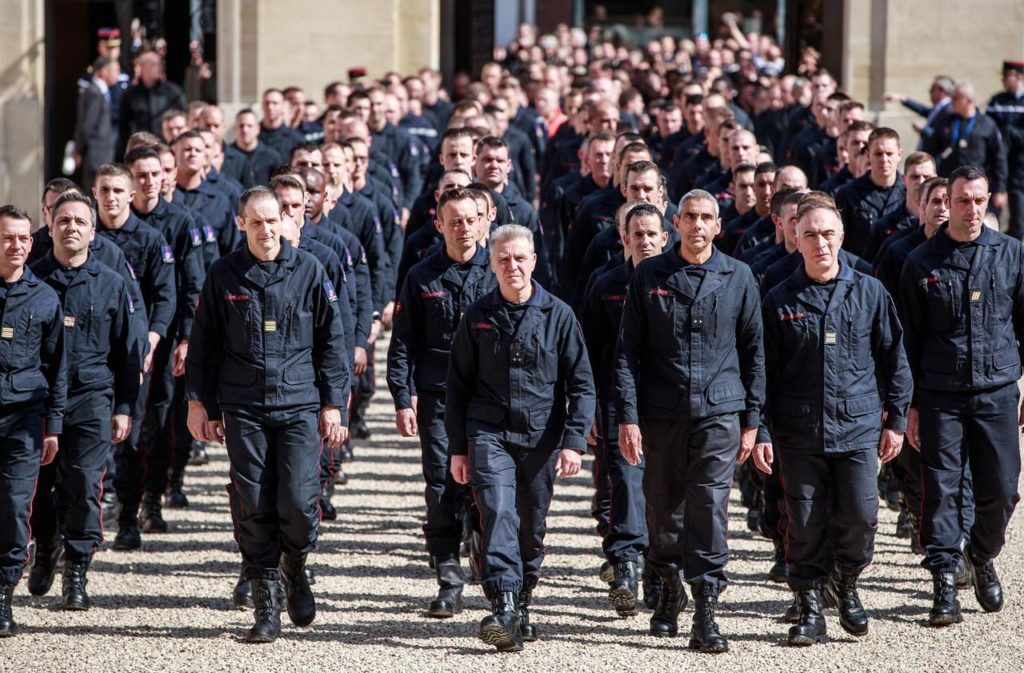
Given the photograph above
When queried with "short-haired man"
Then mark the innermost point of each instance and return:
(869, 199)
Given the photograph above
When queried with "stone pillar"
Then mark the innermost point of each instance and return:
(900, 45)
(308, 43)
(22, 76)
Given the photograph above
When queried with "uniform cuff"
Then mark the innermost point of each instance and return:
(574, 442)
(750, 419)
(54, 425)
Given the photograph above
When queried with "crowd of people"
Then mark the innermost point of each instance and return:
(697, 263)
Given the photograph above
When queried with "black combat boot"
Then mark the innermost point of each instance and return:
(945, 606)
(153, 515)
(665, 620)
(301, 604)
(987, 588)
(451, 581)
(792, 614)
(340, 477)
(40, 578)
(501, 628)
(176, 498)
(841, 592)
(327, 510)
(73, 586)
(345, 455)
(652, 588)
(607, 572)
(128, 537)
(810, 628)
(780, 571)
(360, 430)
(622, 593)
(904, 527)
(526, 626)
(7, 626)
(704, 635)
(242, 594)
(267, 610)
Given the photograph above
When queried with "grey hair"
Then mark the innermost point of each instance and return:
(511, 232)
(698, 195)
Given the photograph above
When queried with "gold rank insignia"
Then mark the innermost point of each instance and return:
(975, 295)
(269, 325)
(69, 321)
(6, 332)
(830, 338)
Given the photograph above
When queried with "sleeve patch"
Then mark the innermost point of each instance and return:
(211, 235)
(332, 296)
(197, 239)
(166, 254)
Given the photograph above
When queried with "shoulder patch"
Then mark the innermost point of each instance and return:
(197, 239)
(166, 254)
(332, 296)
(210, 234)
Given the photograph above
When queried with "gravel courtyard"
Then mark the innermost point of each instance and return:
(167, 608)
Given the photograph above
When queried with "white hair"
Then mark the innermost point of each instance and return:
(511, 232)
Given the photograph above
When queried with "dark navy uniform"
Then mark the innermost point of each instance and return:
(435, 295)
(353, 262)
(595, 214)
(625, 534)
(33, 391)
(216, 208)
(266, 353)
(226, 185)
(784, 268)
(519, 390)
(153, 261)
(689, 368)
(251, 168)
(404, 153)
(282, 140)
(103, 378)
(357, 213)
(754, 236)
(829, 349)
(963, 312)
(974, 142)
(864, 205)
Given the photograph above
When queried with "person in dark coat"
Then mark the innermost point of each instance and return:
(95, 135)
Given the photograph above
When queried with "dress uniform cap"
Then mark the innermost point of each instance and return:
(1013, 66)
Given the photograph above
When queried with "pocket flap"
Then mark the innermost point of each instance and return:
(865, 404)
(27, 381)
(726, 391)
(298, 374)
(1005, 358)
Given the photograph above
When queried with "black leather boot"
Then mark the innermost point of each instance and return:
(40, 578)
(267, 610)
(301, 604)
(501, 627)
(652, 588)
(792, 614)
(451, 581)
(780, 571)
(128, 537)
(153, 515)
(622, 593)
(7, 626)
(810, 628)
(904, 529)
(987, 588)
(327, 510)
(945, 605)
(198, 455)
(242, 594)
(176, 498)
(607, 572)
(73, 586)
(526, 627)
(341, 477)
(704, 635)
(665, 620)
(841, 592)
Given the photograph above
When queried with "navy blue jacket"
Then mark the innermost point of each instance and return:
(529, 384)
(332, 264)
(964, 323)
(432, 301)
(863, 205)
(251, 168)
(595, 214)
(152, 260)
(32, 362)
(690, 355)
(600, 317)
(889, 262)
(186, 241)
(358, 214)
(282, 139)
(267, 336)
(830, 348)
(216, 208)
(101, 346)
(353, 263)
(399, 147)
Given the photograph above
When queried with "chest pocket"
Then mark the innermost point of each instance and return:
(858, 337)
(943, 298)
(663, 324)
(438, 316)
(299, 317)
(1001, 287)
(239, 316)
(96, 331)
(541, 362)
(27, 334)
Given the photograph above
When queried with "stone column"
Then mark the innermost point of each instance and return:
(22, 75)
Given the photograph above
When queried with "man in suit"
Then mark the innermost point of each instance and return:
(95, 138)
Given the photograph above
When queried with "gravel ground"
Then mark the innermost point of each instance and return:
(168, 607)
